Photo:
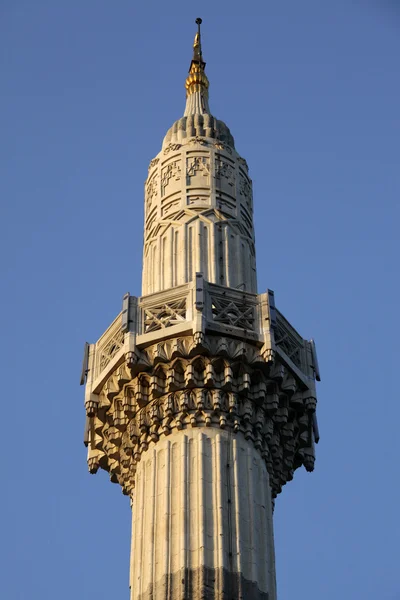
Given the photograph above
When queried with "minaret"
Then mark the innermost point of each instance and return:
(200, 396)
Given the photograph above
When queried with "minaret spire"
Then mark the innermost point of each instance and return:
(200, 396)
(197, 83)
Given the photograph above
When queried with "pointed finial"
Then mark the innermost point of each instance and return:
(197, 55)
(197, 80)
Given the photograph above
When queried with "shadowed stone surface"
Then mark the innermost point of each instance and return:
(204, 584)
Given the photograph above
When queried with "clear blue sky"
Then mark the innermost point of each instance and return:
(311, 93)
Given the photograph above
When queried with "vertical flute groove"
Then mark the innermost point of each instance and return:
(253, 558)
(238, 549)
(220, 539)
(141, 574)
(153, 529)
(201, 514)
(184, 514)
(168, 489)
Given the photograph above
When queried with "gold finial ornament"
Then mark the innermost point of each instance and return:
(197, 40)
(197, 80)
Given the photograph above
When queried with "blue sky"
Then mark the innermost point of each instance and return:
(311, 93)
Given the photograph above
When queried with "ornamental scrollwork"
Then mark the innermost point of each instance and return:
(198, 140)
(221, 146)
(172, 148)
(153, 163)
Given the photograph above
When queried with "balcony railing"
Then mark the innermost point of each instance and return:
(200, 307)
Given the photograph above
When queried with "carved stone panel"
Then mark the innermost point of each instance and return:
(225, 174)
(226, 204)
(151, 191)
(170, 206)
(225, 170)
(233, 309)
(198, 200)
(245, 190)
(287, 338)
(164, 315)
(170, 172)
(197, 170)
(108, 346)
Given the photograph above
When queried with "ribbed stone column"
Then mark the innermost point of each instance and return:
(202, 520)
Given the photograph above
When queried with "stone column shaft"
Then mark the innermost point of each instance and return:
(202, 520)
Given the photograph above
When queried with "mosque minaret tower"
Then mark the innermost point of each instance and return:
(200, 396)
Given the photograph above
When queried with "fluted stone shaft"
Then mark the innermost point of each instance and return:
(202, 520)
